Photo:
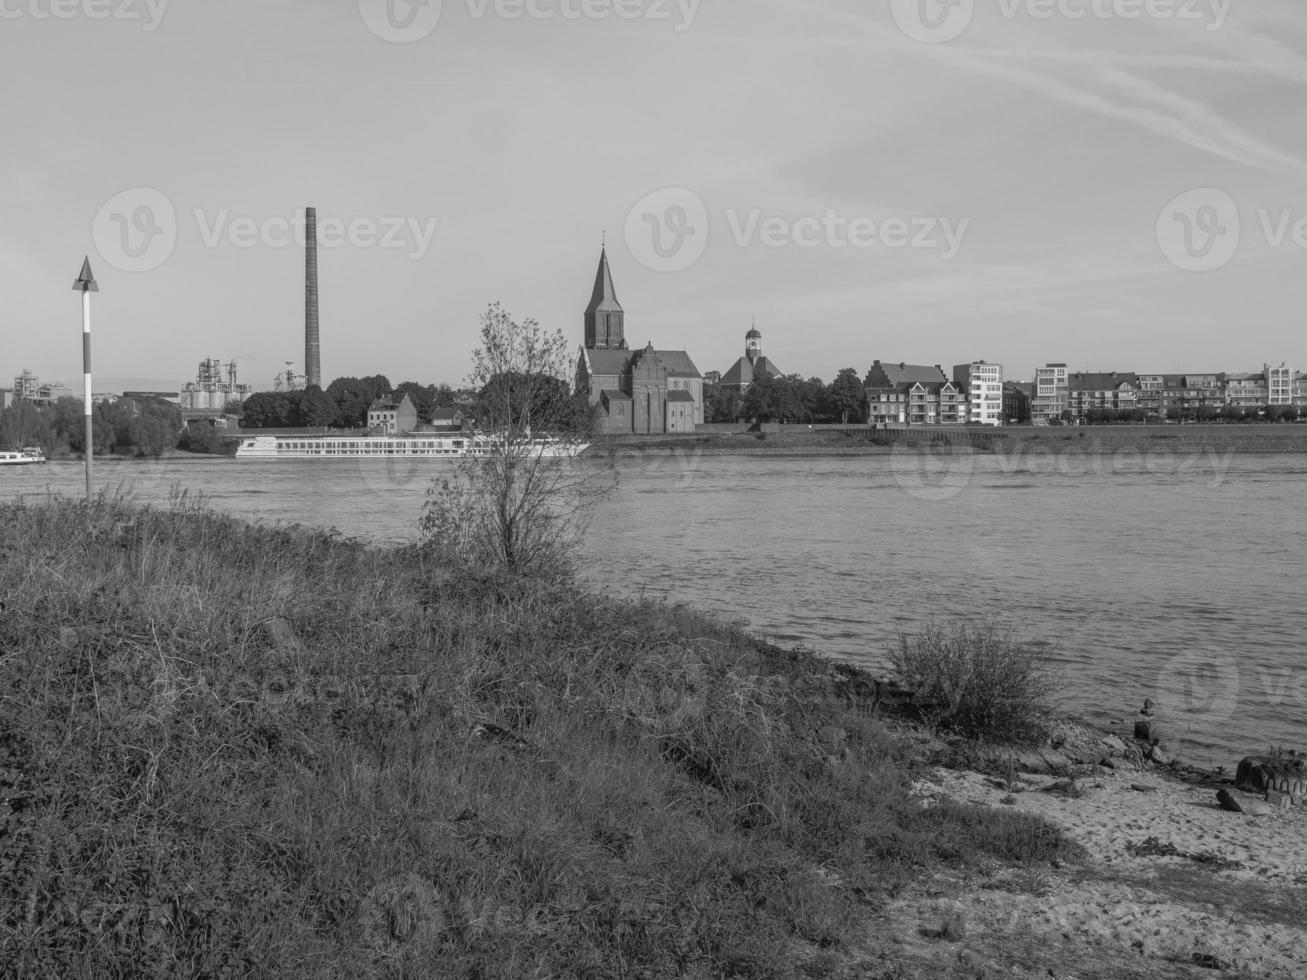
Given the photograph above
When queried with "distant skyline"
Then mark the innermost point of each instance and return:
(1116, 185)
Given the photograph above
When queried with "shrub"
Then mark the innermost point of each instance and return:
(984, 684)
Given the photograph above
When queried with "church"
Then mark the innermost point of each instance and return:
(752, 365)
(645, 392)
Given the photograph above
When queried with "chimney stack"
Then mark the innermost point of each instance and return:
(312, 339)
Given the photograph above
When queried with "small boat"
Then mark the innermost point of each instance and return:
(22, 457)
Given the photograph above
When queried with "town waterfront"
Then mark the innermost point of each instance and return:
(1169, 576)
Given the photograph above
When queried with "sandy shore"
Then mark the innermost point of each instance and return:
(1174, 886)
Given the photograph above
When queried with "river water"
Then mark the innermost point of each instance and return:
(1176, 577)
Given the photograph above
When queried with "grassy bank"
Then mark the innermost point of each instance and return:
(230, 750)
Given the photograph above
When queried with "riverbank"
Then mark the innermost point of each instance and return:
(1014, 440)
(229, 748)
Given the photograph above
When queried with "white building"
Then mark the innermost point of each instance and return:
(1279, 385)
(982, 384)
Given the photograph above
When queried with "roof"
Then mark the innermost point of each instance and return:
(1100, 381)
(678, 395)
(896, 375)
(613, 395)
(743, 372)
(604, 297)
(445, 414)
(616, 363)
(607, 362)
(679, 364)
(753, 335)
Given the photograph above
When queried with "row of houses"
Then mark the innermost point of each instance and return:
(913, 394)
(1057, 391)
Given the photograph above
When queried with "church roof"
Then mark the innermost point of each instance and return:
(753, 335)
(608, 362)
(604, 297)
(679, 364)
(743, 372)
(677, 395)
(615, 363)
(613, 395)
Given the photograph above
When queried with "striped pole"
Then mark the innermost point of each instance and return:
(86, 283)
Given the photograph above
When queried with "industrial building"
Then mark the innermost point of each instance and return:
(214, 388)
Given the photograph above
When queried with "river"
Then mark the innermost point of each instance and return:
(1165, 576)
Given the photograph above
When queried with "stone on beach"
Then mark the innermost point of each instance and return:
(1263, 774)
(1237, 802)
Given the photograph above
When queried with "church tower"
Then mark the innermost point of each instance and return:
(753, 345)
(605, 327)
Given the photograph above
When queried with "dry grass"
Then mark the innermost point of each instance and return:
(231, 750)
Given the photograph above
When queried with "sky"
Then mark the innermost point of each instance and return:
(1111, 184)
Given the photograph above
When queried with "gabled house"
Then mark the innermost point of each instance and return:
(389, 417)
(913, 394)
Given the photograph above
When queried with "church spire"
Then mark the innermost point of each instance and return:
(605, 328)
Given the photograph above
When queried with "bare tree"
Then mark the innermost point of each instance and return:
(522, 499)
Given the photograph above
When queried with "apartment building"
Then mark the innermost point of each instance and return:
(981, 385)
(913, 394)
(1246, 390)
(1049, 396)
(1112, 391)
(1279, 385)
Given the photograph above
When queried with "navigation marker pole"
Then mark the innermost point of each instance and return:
(87, 285)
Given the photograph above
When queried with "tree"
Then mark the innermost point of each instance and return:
(354, 396)
(422, 396)
(847, 397)
(721, 404)
(512, 506)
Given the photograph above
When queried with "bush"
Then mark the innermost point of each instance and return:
(985, 685)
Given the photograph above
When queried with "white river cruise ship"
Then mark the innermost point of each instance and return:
(429, 445)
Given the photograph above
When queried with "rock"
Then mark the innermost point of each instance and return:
(1261, 774)
(1115, 744)
(1154, 731)
(1143, 788)
(1158, 756)
(1237, 802)
(1108, 763)
(1280, 801)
